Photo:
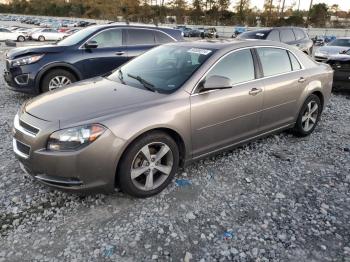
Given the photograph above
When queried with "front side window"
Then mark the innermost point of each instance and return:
(287, 35)
(140, 37)
(237, 66)
(163, 69)
(109, 38)
(274, 61)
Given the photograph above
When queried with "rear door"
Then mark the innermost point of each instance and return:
(139, 40)
(284, 81)
(224, 117)
(110, 53)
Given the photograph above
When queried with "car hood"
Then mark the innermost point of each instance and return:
(333, 50)
(90, 99)
(21, 51)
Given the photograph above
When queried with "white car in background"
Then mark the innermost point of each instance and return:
(6, 34)
(48, 34)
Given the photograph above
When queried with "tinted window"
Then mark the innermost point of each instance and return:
(109, 38)
(274, 35)
(299, 34)
(287, 35)
(238, 66)
(295, 63)
(261, 34)
(140, 37)
(162, 38)
(340, 42)
(274, 61)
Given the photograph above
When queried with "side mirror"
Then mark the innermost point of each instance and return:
(216, 82)
(91, 44)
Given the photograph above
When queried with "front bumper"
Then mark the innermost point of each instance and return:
(22, 78)
(91, 169)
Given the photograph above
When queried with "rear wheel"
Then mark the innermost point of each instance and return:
(41, 38)
(57, 78)
(148, 165)
(309, 116)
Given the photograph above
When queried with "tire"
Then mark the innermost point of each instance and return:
(133, 158)
(61, 74)
(301, 128)
(41, 38)
(21, 38)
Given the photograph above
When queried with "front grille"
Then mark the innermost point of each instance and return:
(31, 129)
(320, 59)
(23, 148)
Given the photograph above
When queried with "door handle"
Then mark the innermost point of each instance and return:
(301, 80)
(254, 91)
(119, 53)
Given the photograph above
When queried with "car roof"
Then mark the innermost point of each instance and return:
(229, 44)
(136, 25)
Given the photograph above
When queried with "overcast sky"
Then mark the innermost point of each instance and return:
(304, 4)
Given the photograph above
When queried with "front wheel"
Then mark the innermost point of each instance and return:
(148, 165)
(57, 78)
(41, 38)
(308, 117)
(21, 38)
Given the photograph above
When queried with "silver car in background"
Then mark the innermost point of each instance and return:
(176, 103)
(338, 46)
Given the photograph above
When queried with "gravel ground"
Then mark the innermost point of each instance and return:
(278, 199)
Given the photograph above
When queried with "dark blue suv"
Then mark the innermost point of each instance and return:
(90, 52)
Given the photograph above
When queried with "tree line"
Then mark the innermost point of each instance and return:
(210, 12)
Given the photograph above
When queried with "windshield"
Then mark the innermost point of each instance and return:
(340, 42)
(77, 37)
(254, 35)
(163, 69)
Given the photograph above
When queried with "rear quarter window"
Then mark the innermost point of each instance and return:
(287, 35)
(162, 38)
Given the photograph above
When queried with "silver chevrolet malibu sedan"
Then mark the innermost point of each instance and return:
(133, 128)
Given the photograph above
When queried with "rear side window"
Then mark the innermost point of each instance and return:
(274, 35)
(140, 37)
(295, 63)
(238, 66)
(299, 34)
(162, 38)
(274, 61)
(109, 38)
(287, 35)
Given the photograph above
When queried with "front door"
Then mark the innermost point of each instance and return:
(109, 54)
(224, 117)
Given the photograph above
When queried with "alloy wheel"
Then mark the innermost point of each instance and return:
(59, 81)
(310, 116)
(151, 166)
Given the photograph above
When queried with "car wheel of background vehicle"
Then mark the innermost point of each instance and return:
(148, 165)
(56, 78)
(308, 117)
(21, 38)
(41, 38)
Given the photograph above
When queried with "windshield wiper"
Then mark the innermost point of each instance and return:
(120, 76)
(144, 82)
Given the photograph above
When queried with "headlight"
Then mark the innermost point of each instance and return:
(74, 138)
(26, 60)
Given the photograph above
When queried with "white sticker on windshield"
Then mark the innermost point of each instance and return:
(199, 51)
(260, 34)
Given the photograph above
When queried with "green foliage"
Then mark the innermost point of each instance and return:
(319, 14)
